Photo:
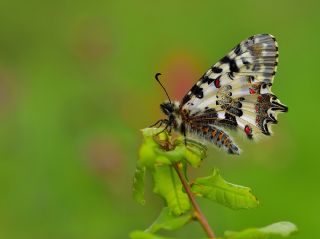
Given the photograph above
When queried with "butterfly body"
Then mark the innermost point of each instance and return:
(234, 94)
(180, 120)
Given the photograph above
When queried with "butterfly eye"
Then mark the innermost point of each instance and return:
(166, 108)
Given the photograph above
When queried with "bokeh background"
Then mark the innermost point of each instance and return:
(76, 85)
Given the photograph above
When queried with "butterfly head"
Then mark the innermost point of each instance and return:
(171, 109)
(167, 108)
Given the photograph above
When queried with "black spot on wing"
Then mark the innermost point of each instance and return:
(238, 105)
(206, 79)
(197, 91)
(229, 121)
(225, 59)
(235, 111)
(186, 98)
(233, 66)
(216, 70)
(245, 62)
(237, 50)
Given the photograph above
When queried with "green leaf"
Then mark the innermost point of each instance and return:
(138, 184)
(147, 153)
(174, 156)
(279, 229)
(164, 149)
(194, 156)
(146, 235)
(167, 184)
(195, 151)
(283, 229)
(158, 152)
(168, 221)
(230, 195)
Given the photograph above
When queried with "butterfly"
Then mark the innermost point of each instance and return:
(234, 94)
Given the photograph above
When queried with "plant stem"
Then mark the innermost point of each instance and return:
(199, 215)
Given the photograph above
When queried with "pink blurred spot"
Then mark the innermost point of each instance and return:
(105, 157)
(91, 41)
(181, 72)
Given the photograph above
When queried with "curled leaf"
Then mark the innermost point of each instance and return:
(230, 195)
(282, 229)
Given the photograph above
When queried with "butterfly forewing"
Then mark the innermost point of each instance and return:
(236, 91)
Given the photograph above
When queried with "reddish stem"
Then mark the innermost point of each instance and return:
(199, 215)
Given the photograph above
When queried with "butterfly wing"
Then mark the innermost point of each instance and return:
(236, 91)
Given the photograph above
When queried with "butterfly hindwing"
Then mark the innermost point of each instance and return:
(238, 89)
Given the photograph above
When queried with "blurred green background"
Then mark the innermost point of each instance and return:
(76, 85)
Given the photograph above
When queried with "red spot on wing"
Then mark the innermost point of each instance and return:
(217, 83)
(247, 130)
(252, 91)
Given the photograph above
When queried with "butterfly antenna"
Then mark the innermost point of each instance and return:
(156, 77)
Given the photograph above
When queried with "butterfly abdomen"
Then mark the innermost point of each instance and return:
(217, 137)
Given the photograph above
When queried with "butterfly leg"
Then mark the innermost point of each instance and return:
(169, 128)
(183, 132)
(166, 122)
(185, 138)
(156, 123)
